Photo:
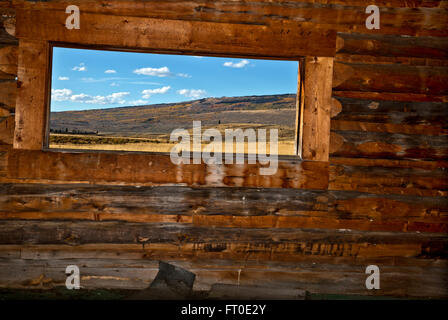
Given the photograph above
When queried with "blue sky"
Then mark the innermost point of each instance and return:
(92, 79)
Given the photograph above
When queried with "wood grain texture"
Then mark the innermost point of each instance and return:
(392, 129)
(390, 96)
(385, 145)
(431, 114)
(391, 78)
(113, 6)
(6, 28)
(8, 94)
(389, 180)
(408, 277)
(397, 17)
(368, 59)
(393, 46)
(381, 199)
(157, 169)
(241, 207)
(317, 106)
(7, 125)
(267, 243)
(288, 40)
(9, 59)
(31, 95)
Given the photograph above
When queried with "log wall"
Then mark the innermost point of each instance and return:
(381, 198)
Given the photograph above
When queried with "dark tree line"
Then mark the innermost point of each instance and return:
(73, 131)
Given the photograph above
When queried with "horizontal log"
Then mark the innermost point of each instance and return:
(282, 40)
(341, 125)
(7, 125)
(6, 76)
(240, 207)
(384, 145)
(8, 93)
(390, 78)
(138, 274)
(384, 180)
(9, 59)
(392, 46)
(387, 163)
(396, 18)
(5, 37)
(367, 59)
(95, 255)
(4, 149)
(388, 96)
(4, 112)
(229, 243)
(428, 114)
(158, 200)
(158, 169)
(113, 6)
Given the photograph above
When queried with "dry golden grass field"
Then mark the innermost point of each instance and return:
(148, 128)
(285, 147)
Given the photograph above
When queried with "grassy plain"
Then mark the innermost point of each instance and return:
(148, 128)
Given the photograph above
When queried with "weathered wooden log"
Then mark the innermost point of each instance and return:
(390, 96)
(383, 177)
(364, 144)
(394, 112)
(158, 169)
(391, 180)
(397, 17)
(32, 97)
(315, 115)
(243, 208)
(8, 60)
(7, 125)
(6, 38)
(392, 46)
(412, 61)
(412, 279)
(283, 40)
(282, 244)
(8, 93)
(390, 78)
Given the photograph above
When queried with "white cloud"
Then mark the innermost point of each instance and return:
(148, 92)
(82, 97)
(63, 78)
(110, 71)
(240, 64)
(183, 75)
(156, 72)
(93, 80)
(67, 95)
(81, 67)
(192, 93)
(61, 94)
(137, 102)
(114, 84)
(117, 97)
(146, 83)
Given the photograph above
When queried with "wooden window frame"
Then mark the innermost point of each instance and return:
(39, 30)
(45, 143)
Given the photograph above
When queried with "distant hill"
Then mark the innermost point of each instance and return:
(161, 119)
